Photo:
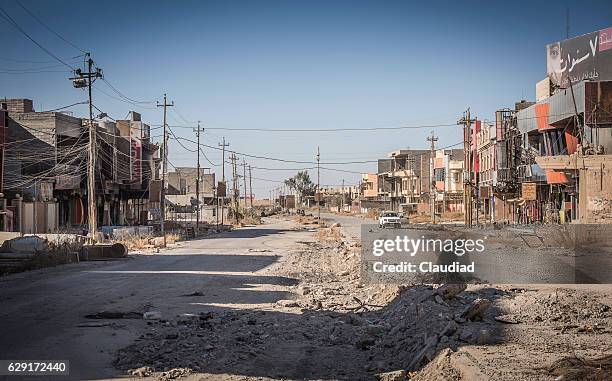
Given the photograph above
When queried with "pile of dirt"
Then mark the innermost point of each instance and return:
(403, 335)
(562, 308)
(578, 369)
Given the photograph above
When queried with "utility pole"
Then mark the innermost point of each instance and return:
(198, 180)
(432, 188)
(466, 121)
(80, 80)
(250, 187)
(235, 194)
(162, 204)
(244, 181)
(342, 201)
(223, 145)
(318, 193)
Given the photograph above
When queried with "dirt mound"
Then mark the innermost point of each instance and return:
(577, 369)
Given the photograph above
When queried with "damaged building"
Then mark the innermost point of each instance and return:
(44, 170)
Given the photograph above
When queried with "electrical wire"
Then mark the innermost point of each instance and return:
(128, 99)
(4, 14)
(48, 27)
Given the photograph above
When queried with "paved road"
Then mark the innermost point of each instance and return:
(42, 313)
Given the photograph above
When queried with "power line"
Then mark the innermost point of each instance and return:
(321, 129)
(35, 62)
(8, 18)
(130, 100)
(316, 130)
(48, 27)
(65, 107)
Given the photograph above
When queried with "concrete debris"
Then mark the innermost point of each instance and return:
(114, 315)
(303, 290)
(476, 309)
(144, 371)
(25, 245)
(507, 319)
(195, 293)
(287, 303)
(450, 290)
(103, 251)
(338, 327)
(574, 368)
(157, 241)
(152, 315)
(398, 375)
(173, 374)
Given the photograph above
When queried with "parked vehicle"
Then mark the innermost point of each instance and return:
(389, 218)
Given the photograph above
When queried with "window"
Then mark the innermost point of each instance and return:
(439, 174)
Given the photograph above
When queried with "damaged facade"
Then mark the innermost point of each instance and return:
(403, 182)
(44, 160)
(549, 161)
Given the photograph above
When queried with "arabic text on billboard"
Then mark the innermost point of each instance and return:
(584, 57)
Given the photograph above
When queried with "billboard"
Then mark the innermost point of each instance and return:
(584, 57)
(136, 160)
(529, 191)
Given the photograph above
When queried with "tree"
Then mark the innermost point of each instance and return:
(301, 184)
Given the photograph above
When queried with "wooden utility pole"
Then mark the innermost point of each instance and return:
(162, 204)
(223, 145)
(466, 121)
(235, 193)
(244, 165)
(318, 193)
(250, 187)
(432, 186)
(342, 201)
(198, 180)
(81, 80)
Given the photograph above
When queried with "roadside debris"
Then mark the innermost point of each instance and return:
(575, 369)
(152, 315)
(114, 315)
(389, 332)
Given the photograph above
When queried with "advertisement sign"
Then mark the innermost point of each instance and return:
(584, 57)
(136, 159)
(529, 191)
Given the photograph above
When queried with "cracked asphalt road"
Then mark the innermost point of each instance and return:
(43, 312)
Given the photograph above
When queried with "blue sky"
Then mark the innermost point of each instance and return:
(295, 65)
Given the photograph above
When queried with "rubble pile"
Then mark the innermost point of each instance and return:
(561, 307)
(335, 327)
(401, 336)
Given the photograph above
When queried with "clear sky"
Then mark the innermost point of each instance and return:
(294, 65)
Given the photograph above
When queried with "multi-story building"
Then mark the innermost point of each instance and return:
(44, 179)
(403, 179)
(369, 186)
(448, 167)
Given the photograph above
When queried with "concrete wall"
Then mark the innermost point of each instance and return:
(596, 194)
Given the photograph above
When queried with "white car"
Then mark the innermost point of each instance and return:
(389, 218)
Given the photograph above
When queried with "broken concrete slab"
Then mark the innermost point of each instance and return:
(28, 244)
(103, 251)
